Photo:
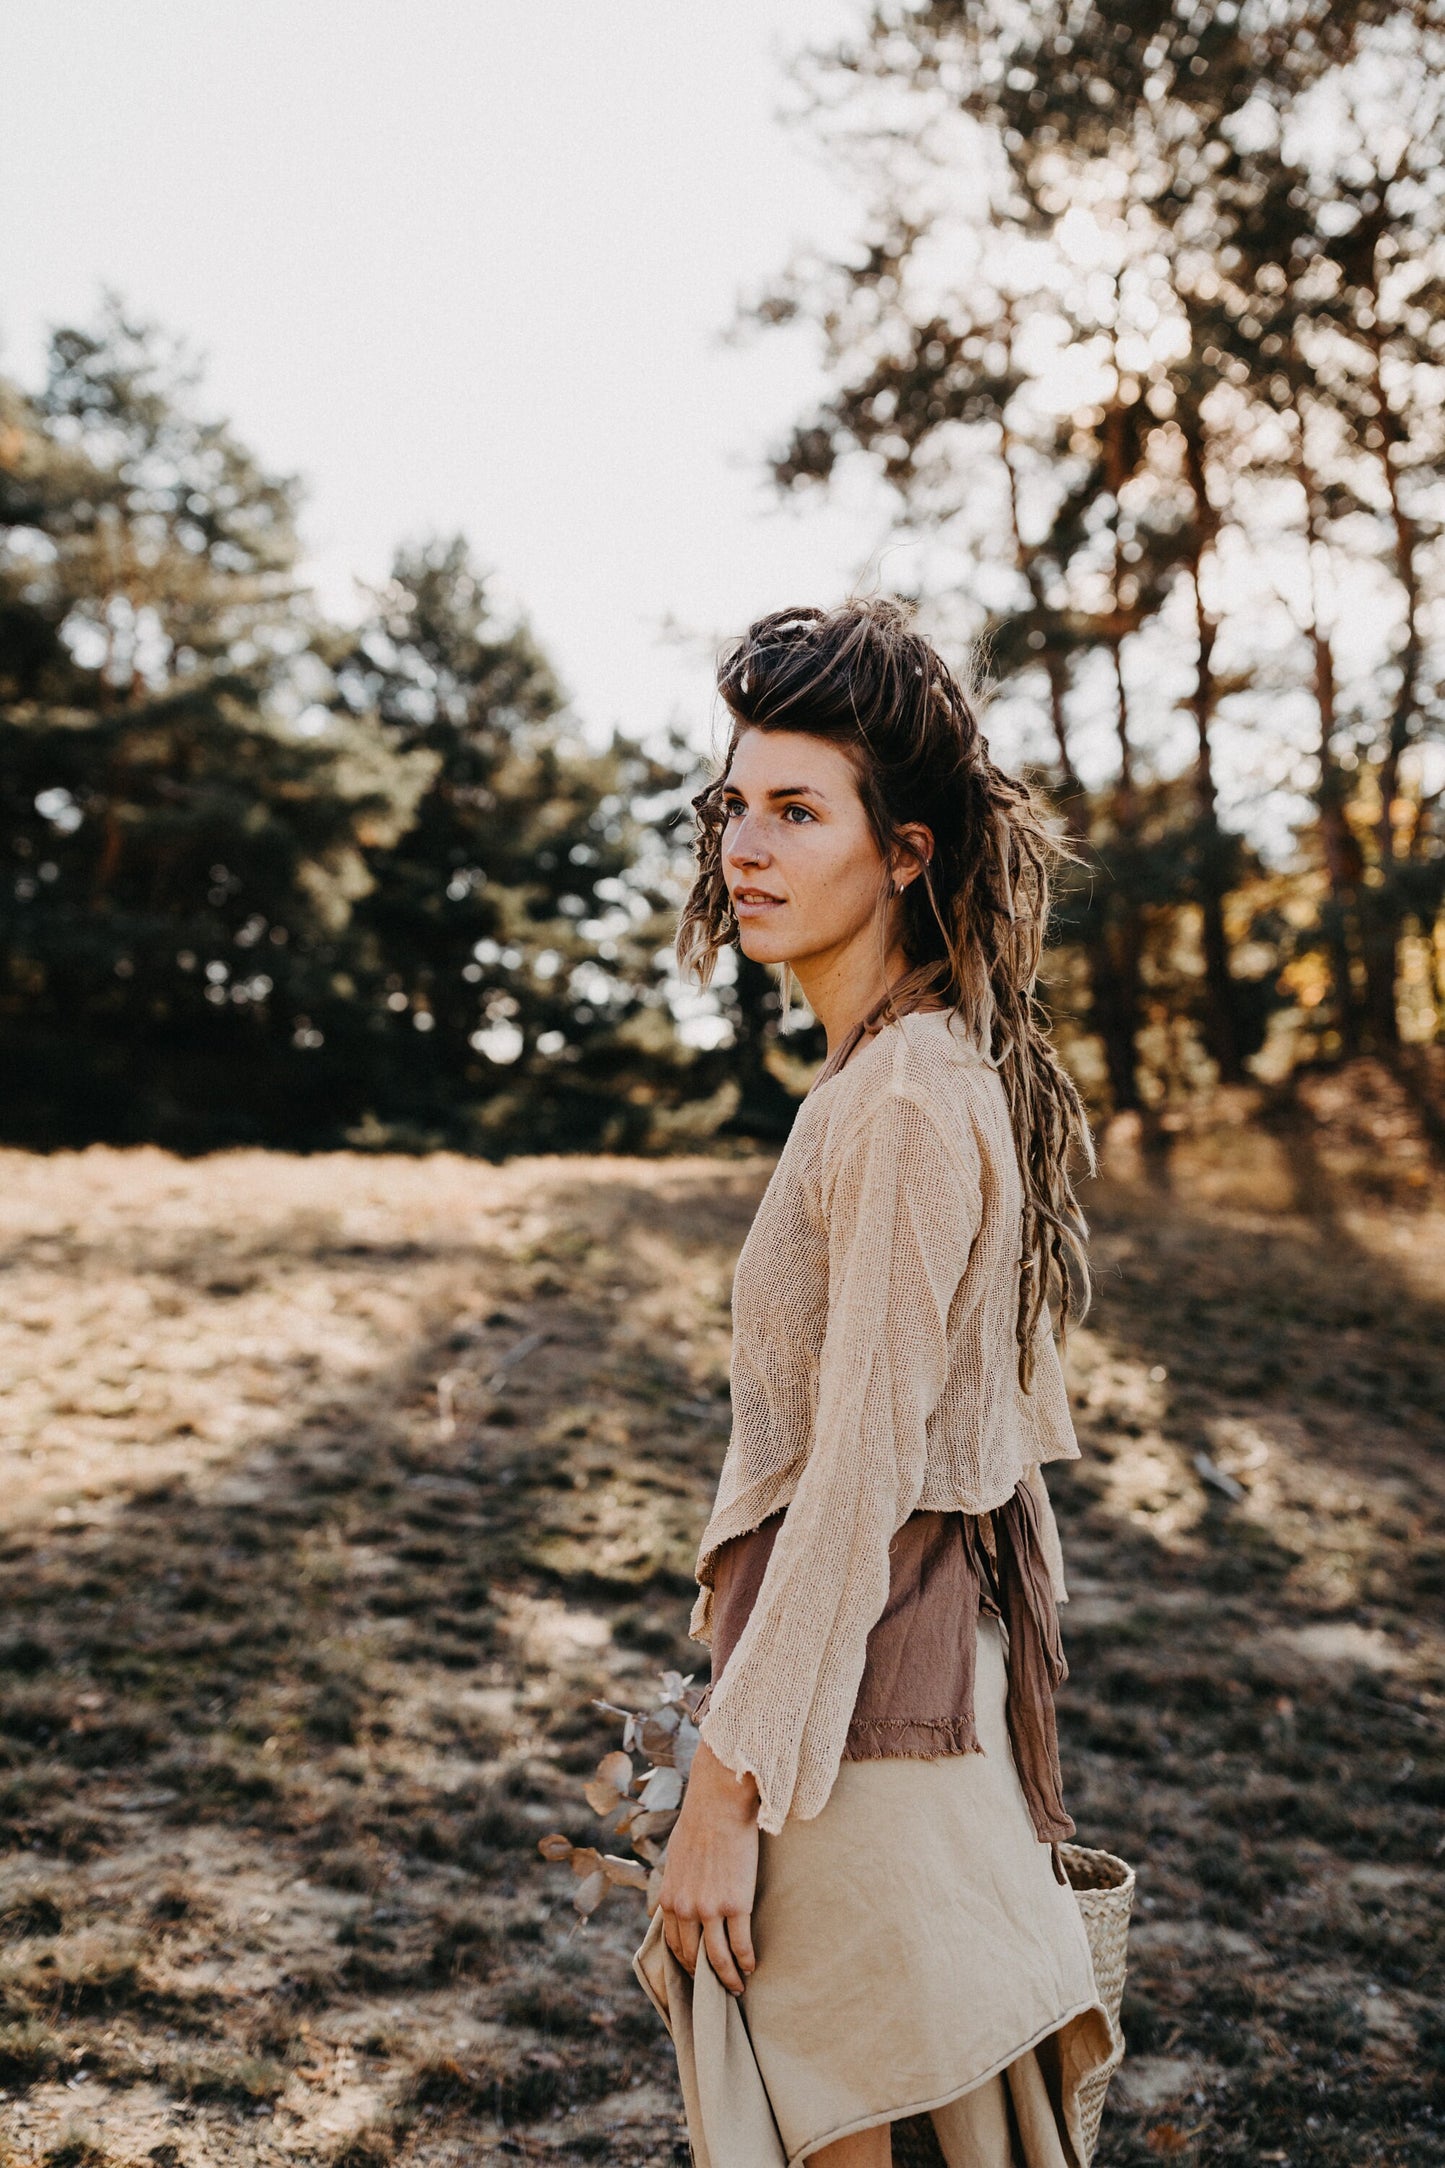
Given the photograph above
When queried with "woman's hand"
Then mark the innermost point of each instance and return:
(712, 1872)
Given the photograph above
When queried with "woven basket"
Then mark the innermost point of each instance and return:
(1104, 1887)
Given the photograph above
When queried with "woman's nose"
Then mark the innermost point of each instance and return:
(745, 846)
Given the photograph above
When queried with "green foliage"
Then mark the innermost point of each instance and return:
(1229, 224)
(513, 930)
(263, 879)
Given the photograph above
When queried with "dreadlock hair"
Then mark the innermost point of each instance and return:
(865, 679)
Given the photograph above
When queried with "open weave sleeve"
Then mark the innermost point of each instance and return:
(902, 1205)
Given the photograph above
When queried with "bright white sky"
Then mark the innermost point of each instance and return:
(462, 264)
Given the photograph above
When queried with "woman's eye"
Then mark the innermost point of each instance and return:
(789, 811)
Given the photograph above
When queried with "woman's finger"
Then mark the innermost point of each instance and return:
(682, 1938)
(720, 1956)
(740, 1935)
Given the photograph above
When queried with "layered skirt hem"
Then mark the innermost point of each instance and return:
(729, 2115)
(914, 1950)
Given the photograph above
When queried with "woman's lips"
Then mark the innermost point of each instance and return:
(746, 900)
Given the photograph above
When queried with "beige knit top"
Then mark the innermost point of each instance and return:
(874, 1374)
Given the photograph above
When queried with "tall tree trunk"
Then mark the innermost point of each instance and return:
(1221, 1021)
(1070, 787)
(1381, 914)
(1343, 865)
(1027, 559)
(1111, 937)
(1119, 957)
(1116, 958)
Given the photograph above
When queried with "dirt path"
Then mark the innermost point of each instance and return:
(334, 1489)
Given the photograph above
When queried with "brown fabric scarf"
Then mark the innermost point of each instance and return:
(1036, 1667)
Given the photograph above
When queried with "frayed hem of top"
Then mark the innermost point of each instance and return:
(911, 1739)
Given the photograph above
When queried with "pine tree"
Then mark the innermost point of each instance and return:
(1271, 246)
(511, 942)
(181, 857)
(268, 878)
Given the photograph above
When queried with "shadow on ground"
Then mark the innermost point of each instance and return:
(280, 1727)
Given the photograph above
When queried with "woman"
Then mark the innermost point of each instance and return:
(867, 1860)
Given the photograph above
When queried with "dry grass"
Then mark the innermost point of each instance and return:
(336, 1487)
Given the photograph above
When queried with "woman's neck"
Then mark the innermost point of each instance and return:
(842, 990)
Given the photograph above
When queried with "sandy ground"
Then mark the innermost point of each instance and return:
(334, 1489)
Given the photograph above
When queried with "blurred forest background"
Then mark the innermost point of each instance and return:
(1144, 331)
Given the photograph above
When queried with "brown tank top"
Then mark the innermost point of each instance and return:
(916, 1695)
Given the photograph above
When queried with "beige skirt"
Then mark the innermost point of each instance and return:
(915, 1954)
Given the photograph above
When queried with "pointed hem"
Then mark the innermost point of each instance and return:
(1069, 2129)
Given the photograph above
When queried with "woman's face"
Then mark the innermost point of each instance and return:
(798, 855)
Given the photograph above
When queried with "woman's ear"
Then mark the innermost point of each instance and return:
(911, 855)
